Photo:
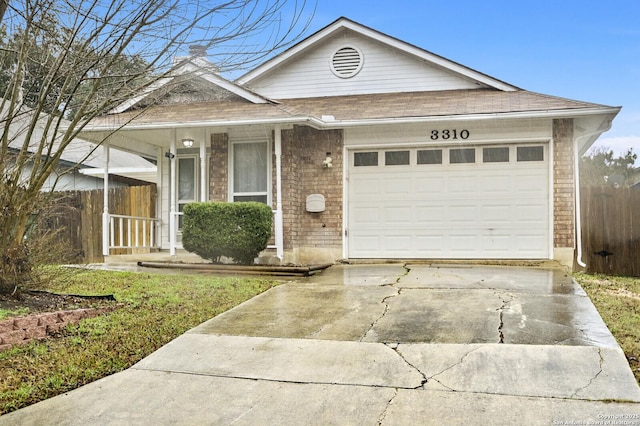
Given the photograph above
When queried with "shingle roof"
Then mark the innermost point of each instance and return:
(354, 107)
(432, 104)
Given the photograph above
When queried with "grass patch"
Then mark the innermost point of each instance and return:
(618, 302)
(157, 309)
(9, 313)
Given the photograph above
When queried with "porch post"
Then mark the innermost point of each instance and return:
(203, 166)
(105, 208)
(279, 228)
(172, 199)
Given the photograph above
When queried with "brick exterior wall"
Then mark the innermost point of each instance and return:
(303, 150)
(563, 184)
(218, 167)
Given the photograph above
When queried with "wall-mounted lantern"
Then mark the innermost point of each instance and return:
(327, 163)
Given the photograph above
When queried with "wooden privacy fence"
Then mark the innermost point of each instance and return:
(78, 216)
(611, 230)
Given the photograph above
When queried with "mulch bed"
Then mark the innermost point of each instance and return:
(43, 301)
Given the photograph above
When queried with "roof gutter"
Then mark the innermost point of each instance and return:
(204, 123)
(328, 122)
(471, 117)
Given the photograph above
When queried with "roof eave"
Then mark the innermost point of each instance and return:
(328, 123)
(207, 123)
(564, 113)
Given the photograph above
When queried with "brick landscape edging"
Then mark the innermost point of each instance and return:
(22, 330)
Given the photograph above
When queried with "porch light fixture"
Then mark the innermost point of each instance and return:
(327, 163)
(188, 143)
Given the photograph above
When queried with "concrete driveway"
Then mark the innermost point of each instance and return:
(378, 344)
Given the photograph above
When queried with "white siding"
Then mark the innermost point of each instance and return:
(385, 70)
(490, 131)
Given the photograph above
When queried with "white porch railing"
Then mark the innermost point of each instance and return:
(129, 232)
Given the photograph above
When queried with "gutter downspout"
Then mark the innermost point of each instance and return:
(578, 209)
(576, 171)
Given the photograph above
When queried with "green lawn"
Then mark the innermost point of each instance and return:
(618, 301)
(156, 309)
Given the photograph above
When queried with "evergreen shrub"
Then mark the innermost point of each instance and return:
(234, 230)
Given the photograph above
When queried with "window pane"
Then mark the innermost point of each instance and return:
(463, 155)
(365, 159)
(250, 167)
(495, 155)
(430, 156)
(530, 153)
(186, 179)
(396, 158)
(258, 198)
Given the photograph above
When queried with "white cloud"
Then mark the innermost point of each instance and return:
(619, 144)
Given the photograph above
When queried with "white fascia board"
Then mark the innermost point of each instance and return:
(330, 123)
(117, 170)
(222, 123)
(570, 113)
(145, 174)
(383, 38)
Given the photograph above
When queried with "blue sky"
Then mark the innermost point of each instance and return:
(579, 49)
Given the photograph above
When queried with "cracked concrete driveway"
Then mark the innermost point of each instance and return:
(378, 344)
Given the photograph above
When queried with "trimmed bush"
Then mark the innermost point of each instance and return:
(236, 230)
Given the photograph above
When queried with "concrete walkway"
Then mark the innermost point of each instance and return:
(378, 344)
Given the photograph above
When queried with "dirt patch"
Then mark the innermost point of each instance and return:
(42, 301)
(623, 293)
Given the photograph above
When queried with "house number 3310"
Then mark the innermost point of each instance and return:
(449, 134)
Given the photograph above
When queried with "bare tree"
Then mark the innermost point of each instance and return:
(64, 62)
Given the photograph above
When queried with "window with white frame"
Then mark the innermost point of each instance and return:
(250, 163)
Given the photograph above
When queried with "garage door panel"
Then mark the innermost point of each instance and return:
(366, 215)
(475, 210)
(429, 184)
(429, 244)
(531, 214)
(368, 245)
(497, 185)
(496, 244)
(496, 213)
(465, 185)
(530, 244)
(363, 186)
(397, 186)
(397, 215)
(463, 215)
(399, 244)
(429, 215)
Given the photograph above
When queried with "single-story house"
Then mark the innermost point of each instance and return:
(368, 147)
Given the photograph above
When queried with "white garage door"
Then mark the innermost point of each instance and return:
(451, 202)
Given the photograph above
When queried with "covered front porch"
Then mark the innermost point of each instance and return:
(186, 158)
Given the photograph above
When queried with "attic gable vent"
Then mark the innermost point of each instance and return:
(346, 62)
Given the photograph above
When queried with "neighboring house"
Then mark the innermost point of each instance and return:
(368, 147)
(81, 165)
